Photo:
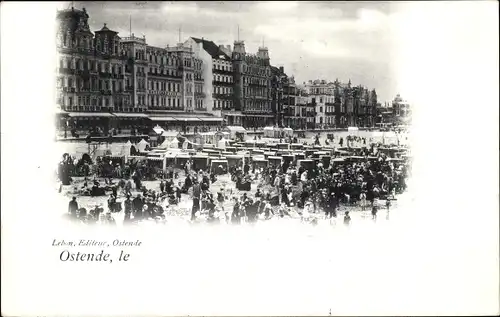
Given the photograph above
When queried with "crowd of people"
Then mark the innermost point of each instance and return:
(284, 191)
(106, 168)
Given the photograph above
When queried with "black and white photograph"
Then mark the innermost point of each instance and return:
(250, 158)
(208, 128)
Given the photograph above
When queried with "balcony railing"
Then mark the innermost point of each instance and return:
(223, 96)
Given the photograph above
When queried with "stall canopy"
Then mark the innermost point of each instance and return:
(171, 134)
(236, 129)
(186, 144)
(352, 129)
(141, 146)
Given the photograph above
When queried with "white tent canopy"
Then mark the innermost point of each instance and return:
(174, 144)
(158, 129)
(126, 148)
(352, 129)
(141, 146)
(222, 143)
(169, 144)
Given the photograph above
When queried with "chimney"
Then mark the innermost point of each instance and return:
(239, 47)
(228, 47)
(282, 69)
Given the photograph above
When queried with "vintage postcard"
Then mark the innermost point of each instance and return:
(249, 158)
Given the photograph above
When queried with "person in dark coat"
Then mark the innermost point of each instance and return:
(128, 208)
(162, 186)
(137, 204)
(178, 193)
(374, 211)
(347, 219)
(187, 183)
(252, 211)
(73, 207)
(236, 215)
(196, 200)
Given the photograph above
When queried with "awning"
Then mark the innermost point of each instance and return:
(163, 118)
(170, 133)
(236, 128)
(90, 114)
(188, 119)
(210, 119)
(259, 115)
(130, 115)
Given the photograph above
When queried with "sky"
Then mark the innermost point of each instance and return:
(311, 40)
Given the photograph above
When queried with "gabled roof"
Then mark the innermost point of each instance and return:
(105, 29)
(211, 48)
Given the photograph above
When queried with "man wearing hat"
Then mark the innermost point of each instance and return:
(73, 207)
(137, 204)
(128, 208)
(347, 219)
(196, 199)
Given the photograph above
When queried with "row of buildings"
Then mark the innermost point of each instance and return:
(107, 83)
(396, 113)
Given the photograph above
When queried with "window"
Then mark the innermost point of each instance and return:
(320, 109)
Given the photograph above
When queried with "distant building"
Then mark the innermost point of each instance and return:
(401, 111)
(219, 67)
(385, 116)
(278, 81)
(252, 90)
(291, 108)
(321, 95)
(301, 100)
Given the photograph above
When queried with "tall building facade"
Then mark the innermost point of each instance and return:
(290, 105)
(220, 70)
(108, 84)
(252, 89)
(321, 95)
(301, 108)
